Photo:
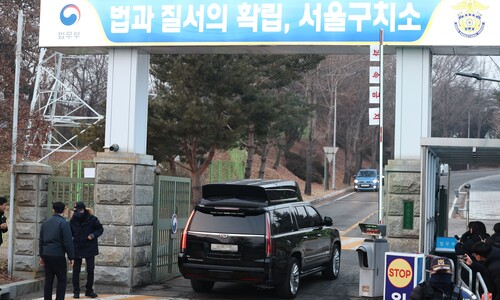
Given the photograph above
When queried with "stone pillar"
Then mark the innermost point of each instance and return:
(124, 205)
(30, 211)
(412, 122)
(402, 187)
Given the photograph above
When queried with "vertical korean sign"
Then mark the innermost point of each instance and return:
(374, 93)
(375, 97)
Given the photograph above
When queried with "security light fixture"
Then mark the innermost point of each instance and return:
(476, 76)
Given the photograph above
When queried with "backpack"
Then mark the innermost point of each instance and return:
(430, 293)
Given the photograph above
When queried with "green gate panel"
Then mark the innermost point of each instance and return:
(172, 197)
(69, 191)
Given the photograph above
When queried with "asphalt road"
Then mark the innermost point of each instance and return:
(346, 212)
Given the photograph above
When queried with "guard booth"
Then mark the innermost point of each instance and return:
(371, 254)
(434, 191)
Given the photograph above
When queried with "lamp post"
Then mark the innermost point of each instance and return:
(476, 76)
(334, 162)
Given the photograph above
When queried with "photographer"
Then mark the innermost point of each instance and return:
(487, 262)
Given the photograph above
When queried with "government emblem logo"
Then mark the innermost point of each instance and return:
(470, 23)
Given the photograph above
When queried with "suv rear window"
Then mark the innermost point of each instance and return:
(229, 221)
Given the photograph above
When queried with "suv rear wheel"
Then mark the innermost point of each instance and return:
(333, 266)
(202, 286)
(290, 286)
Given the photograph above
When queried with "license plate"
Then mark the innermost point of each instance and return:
(224, 247)
(365, 185)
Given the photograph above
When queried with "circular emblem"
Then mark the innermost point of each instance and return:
(469, 24)
(174, 223)
(400, 273)
(69, 15)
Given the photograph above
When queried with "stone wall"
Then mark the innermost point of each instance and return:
(30, 211)
(124, 195)
(402, 184)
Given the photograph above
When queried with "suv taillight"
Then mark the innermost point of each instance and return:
(268, 237)
(184, 234)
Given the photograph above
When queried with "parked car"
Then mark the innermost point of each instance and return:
(258, 232)
(366, 180)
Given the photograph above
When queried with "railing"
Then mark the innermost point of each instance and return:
(480, 286)
(480, 281)
(462, 265)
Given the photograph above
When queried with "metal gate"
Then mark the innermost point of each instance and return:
(171, 211)
(428, 193)
(69, 191)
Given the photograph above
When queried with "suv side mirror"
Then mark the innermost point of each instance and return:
(327, 221)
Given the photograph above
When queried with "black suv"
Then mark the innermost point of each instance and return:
(258, 232)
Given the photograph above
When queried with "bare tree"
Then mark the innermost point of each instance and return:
(311, 140)
(9, 10)
(451, 94)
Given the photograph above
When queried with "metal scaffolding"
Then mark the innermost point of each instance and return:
(55, 100)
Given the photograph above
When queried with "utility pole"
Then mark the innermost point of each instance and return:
(15, 114)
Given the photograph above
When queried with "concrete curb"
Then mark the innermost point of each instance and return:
(331, 196)
(16, 290)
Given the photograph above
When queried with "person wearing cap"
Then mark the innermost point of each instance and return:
(85, 228)
(440, 284)
(487, 262)
(55, 242)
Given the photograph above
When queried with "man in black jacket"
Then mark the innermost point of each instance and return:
(85, 228)
(488, 264)
(3, 220)
(54, 243)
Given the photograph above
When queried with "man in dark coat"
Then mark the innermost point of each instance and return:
(475, 233)
(488, 264)
(3, 220)
(495, 237)
(440, 284)
(85, 228)
(54, 243)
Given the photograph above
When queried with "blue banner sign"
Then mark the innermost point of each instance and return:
(262, 22)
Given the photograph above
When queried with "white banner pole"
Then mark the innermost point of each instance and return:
(381, 131)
